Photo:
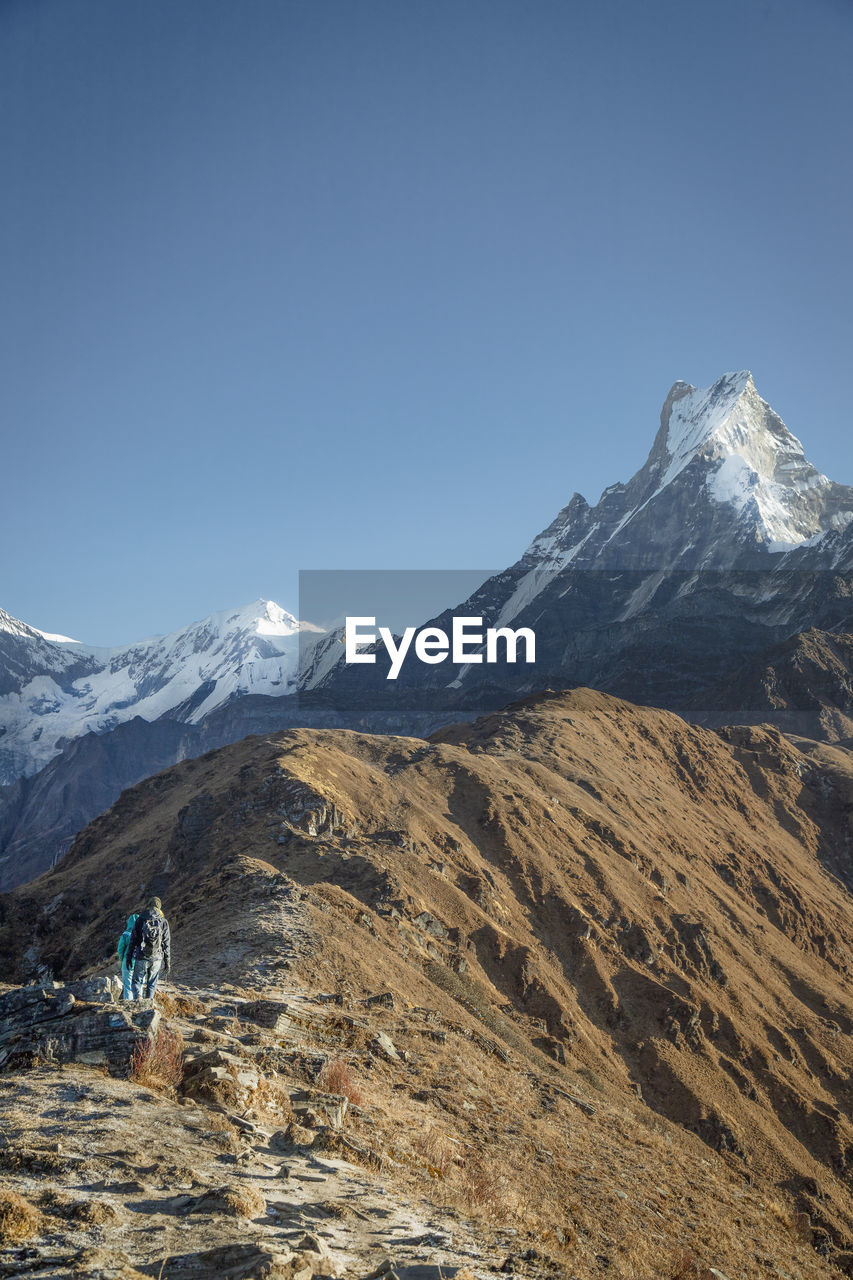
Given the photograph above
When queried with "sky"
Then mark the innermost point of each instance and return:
(311, 284)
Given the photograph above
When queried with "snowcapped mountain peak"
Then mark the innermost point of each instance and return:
(725, 479)
(272, 620)
(727, 417)
(261, 617)
(14, 627)
(750, 460)
(275, 621)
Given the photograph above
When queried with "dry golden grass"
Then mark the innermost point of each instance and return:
(178, 1006)
(22, 1158)
(56, 1202)
(158, 1063)
(686, 1266)
(557, 1174)
(483, 1188)
(592, 1078)
(526, 1155)
(19, 1220)
(437, 1151)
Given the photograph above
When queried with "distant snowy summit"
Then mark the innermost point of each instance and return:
(53, 689)
(725, 482)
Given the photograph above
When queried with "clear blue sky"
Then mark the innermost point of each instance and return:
(379, 284)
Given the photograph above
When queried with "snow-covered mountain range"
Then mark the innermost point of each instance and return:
(726, 487)
(53, 689)
(717, 582)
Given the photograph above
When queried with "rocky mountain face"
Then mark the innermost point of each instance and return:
(40, 815)
(683, 588)
(610, 951)
(27, 655)
(803, 685)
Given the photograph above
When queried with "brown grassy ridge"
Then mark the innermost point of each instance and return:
(623, 901)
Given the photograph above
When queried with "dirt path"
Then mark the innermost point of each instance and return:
(130, 1180)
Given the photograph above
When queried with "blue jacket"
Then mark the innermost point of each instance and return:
(126, 960)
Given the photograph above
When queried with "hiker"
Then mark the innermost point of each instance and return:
(125, 956)
(150, 950)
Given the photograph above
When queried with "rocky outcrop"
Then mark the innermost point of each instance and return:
(74, 1022)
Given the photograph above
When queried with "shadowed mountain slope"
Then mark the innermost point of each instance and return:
(803, 686)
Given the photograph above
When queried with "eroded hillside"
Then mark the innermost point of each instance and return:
(641, 913)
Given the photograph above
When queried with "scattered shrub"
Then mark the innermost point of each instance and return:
(687, 1266)
(477, 999)
(158, 1063)
(32, 1160)
(226, 1143)
(55, 1202)
(178, 1006)
(94, 1213)
(188, 1006)
(244, 1202)
(336, 1077)
(19, 1220)
(220, 1124)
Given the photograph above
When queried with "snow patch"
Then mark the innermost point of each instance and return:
(776, 518)
(54, 638)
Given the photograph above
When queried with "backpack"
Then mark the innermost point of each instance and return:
(149, 936)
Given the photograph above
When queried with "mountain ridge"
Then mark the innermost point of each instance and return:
(654, 909)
